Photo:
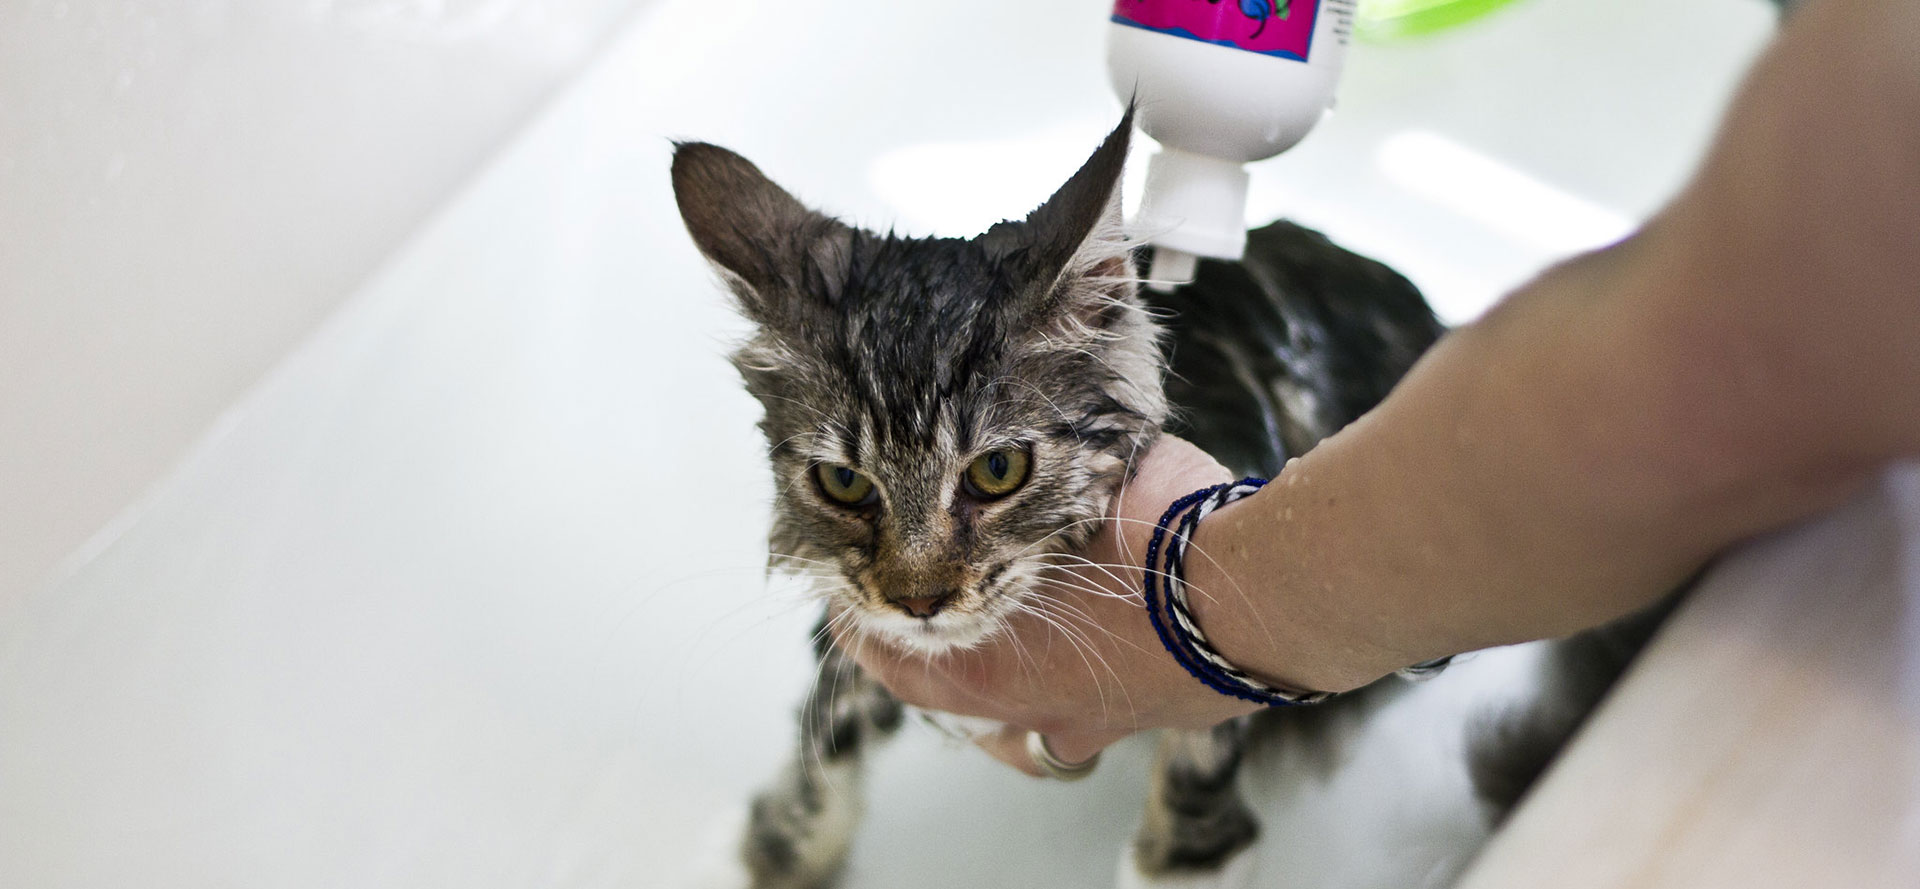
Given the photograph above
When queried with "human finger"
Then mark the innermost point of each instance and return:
(1009, 745)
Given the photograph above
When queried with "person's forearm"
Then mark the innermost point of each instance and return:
(1590, 443)
(1542, 471)
(1518, 485)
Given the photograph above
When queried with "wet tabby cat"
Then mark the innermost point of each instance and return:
(938, 411)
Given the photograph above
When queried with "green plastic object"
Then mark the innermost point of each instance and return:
(1384, 20)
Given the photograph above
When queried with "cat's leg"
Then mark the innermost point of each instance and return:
(798, 829)
(1197, 830)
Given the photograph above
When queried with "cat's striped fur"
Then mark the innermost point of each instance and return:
(903, 356)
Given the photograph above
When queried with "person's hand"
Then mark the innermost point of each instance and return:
(1083, 667)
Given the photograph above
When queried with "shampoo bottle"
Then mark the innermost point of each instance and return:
(1219, 83)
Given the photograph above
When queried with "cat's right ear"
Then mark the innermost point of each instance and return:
(772, 249)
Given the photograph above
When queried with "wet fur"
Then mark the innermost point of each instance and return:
(905, 356)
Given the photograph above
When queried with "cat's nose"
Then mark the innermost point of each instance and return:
(924, 606)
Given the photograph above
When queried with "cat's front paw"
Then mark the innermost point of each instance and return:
(1236, 872)
(795, 835)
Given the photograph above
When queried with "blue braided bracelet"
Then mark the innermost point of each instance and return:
(1167, 608)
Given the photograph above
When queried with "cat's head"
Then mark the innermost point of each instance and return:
(943, 415)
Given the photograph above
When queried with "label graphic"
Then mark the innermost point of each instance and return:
(1281, 28)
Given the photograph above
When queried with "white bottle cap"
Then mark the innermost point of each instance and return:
(1195, 204)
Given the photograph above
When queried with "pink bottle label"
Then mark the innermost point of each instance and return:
(1281, 28)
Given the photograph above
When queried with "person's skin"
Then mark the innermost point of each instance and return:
(1749, 359)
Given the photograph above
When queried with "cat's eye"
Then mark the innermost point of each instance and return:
(997, 473)
(843, 485)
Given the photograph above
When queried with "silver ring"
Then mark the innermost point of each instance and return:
(1043, 756)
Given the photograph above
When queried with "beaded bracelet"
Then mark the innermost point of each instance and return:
(1172, 617)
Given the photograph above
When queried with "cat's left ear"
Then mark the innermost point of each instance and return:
(1073, 245)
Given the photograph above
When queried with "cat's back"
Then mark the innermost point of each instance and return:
(1273, 353)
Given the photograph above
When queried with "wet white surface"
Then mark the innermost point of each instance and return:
(1769, 737)
(188, 188)
(467, 593)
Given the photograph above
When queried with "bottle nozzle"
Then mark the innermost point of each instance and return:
(1194, 205)
(1171, 268)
